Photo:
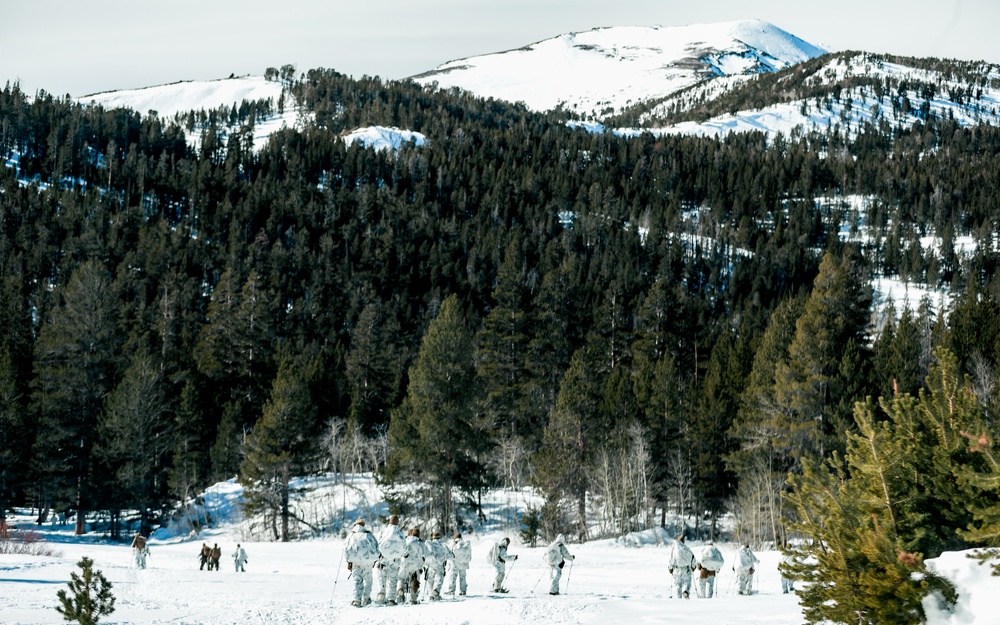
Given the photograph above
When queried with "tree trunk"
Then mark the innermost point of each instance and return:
(284, 503)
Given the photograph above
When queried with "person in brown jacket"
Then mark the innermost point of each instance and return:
(139, 550)
(206, 557)
(216, 555)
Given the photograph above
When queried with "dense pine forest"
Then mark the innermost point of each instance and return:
(631, 325)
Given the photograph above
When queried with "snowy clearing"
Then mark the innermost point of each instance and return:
(621, 581)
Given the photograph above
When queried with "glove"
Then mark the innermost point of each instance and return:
(751, 570)
(670, 570)
(350, 566)
(513, 557)
(561, 564)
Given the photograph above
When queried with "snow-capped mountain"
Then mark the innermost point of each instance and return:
(602, 71)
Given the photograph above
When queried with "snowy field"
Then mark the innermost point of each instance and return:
(305, 583)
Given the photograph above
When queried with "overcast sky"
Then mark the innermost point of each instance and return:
(81, 47)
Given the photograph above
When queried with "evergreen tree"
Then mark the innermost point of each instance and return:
(502, 351)
(282, 443)
(369, 371)
(188, 466)
(89, 597)
(573, 429)
(74, 372)
(873, 519)
(835, 315)
(15, 437)
(435, 435)
(134, 438)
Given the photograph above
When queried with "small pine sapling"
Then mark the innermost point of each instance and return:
(531, 524)
(89, 597)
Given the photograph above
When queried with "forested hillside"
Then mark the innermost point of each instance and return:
(632, 325)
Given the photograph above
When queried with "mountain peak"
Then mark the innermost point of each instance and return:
(604, 70)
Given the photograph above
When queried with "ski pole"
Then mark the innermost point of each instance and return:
(507, 574)
(337, 577)
(538, 582)
(568, 577)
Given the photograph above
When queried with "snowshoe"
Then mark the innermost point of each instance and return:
(554, 593)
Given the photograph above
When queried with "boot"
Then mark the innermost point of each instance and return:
(435, 595)
(400, 598)
(413, 598)
(367, 601)
(356, 603)
(380, 597)
(462, 593)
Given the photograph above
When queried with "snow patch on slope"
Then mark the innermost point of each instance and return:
(382, 138)
(169, 101)
(181, 97)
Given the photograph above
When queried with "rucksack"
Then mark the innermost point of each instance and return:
(553, 555)
(711, 559)
(362, 548)
(681, 555)
(746, 559)
(392, 543)
(494, 555)
(463, 553)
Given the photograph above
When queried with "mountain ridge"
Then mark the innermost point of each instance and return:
(603, 70)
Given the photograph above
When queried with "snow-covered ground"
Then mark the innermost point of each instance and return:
(305, 582)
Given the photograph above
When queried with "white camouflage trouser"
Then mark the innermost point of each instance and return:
(555, 574)
(458, 575)
(498, 582)
(787, 585)
(407, 585)
(388, 577)
(140, 558)
(745, 581)
(682, 581)
(362, 583)
(706, 586)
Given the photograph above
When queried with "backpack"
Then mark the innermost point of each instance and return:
(463, 554)
(494, 555)
(553, 555)
(681, 555)
(711, 559)
(392, 544)
(746, 559)
(440, 552)
(361, 548)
